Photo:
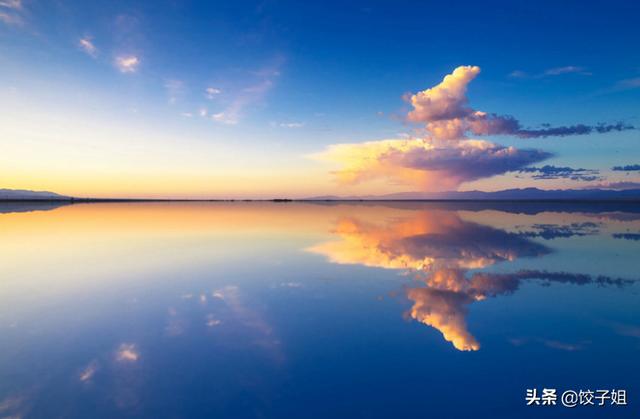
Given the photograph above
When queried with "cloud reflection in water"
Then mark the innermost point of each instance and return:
(441, 250)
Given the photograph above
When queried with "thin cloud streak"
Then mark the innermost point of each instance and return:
(553, 172)
(249, 95)
(627, 84)
(291, 124)
(551, 72)
(88, 372)
(626, 168)
(87, 46)
(175, 89)
(620, 186)
(11, 12)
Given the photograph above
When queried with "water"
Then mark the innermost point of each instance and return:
(302, 310)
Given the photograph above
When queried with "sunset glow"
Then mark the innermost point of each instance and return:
(110, 107)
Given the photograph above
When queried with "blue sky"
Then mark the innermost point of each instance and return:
(288, 79)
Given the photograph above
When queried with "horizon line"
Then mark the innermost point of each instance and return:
(285, 200)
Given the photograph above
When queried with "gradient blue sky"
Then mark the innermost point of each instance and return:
(290, 79)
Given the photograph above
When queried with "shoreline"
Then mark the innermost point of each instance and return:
(285, 200)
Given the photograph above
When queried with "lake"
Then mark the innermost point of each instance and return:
(318, 310)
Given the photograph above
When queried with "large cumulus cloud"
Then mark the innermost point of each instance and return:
(444, 156)
(445, 101)
(445, 111)
(430, 165)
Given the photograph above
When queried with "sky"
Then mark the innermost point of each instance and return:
(296, 99)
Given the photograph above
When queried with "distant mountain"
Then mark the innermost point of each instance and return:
(25, 195)
(533, 194)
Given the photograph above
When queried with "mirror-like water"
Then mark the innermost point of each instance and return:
(320, 310)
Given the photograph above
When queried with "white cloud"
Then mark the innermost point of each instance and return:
(211, 321)
(11, 4)
(88, 373)
(127, 63)
(127, 352)
(291, 284)
(445, 111)
(229, 118)
(446, 100)
(11, 12)
(211, 92)
(87, 46)
(567, 70)
(292, 124)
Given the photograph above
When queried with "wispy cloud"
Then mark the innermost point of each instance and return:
(11, 12)
(626, 168)
(554, 231)
(264, 80)
(211, 92)
(249, 95)
(175, 89)
(551, 72)
(552, 343)
(567, 70)
(626, 236)
(88, 372)
(11, 18)
(554, 172)
(11, 4)
(127, 352)
(627, 330)
(563, 346)
(615, 185)
(579, 129)
(627, 84)
(14, 406)
(229, 117)
(127, 63)
(291, 124)
(518, 74)
(87, 46)
(212, 321)
(620, 86)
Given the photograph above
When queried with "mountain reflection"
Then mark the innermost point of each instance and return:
(441, 249)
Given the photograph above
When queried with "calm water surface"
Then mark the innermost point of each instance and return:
(302, 310)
